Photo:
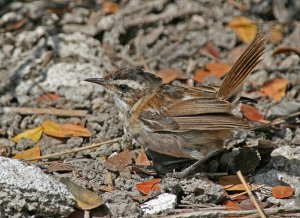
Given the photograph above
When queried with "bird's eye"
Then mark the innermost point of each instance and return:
(123, 88)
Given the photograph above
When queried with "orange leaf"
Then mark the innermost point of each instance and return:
(274, 88)
(110, 7)
(232, 183)
(64, 130)
(232, 205)
(147, 187)
(33, 134)
(200, 75)
(142, 159)
(169, 74)
(34, 152)
(218, 69)
(235, 53)
(244, 28)
(48, 97)
(251, 113)
(276, 34)
(281, 191)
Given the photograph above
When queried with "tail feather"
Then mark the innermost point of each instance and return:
(242, 68)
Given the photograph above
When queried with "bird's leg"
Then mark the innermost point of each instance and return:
(187, 171)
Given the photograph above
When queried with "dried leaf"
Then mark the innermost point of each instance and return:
(33, 134)
(276, 34)
(110, 7)
(231, 205)
(235, 53)
(218, 69)
(119, 162)
(64, 130)
(85, 199)
(286, 50)
(244, 27)
(232, 183)
(274, 88)
(48, 97)
(281, 191)
(34, 152)
(200, 75)
(142, 159)
(251, 113)
(147, 187)
(169, 74)
(212, 50)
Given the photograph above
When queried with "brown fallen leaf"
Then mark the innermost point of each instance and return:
(34, 152)
(33, 134)
(244, 27)
(170, 74)
(231, 205)
(286, 50)
(60, 167)
(211, 49)
(235, 53)
(142, 159)
(200, 75)
(218, 69)
(85, 199)
(119, 162)
(64, 130)
(232, 183)
(274, 88)
(281, 191)
(147, 187)
(251, 113)
(48, 97)
(276, 34)
(110, 7)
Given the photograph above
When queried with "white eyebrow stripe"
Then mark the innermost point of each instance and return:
(132, 84)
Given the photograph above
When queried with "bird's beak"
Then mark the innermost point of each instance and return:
(100, 81)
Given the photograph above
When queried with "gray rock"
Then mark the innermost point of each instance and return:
(24, 144)
(6, 142)
(287, 159)
(26, 189)
(161, 203)
(75, 142)
(194, 190)
(284, 108)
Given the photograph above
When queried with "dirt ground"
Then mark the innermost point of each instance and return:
(49, 47)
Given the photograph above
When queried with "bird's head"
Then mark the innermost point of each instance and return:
(128, 85)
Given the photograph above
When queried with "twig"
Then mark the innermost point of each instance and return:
(252, 198)
(51, 111)
(95, 145)
(222, 213)
(245, 192)
(277, 121)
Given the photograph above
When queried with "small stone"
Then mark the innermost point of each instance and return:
(6, 142)
(24, 144)
(159, 204)
(74, 142)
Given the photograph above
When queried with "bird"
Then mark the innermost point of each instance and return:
(180, 121)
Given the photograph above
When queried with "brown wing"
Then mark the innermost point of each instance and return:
(185, 109)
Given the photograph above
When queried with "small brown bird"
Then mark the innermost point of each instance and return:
(184, 122)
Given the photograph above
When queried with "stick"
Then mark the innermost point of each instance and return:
(222, 213)
(239, 194)
(252, 198)
(277, 121)
(95, 145)
(51, 111)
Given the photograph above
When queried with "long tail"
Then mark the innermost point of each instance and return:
(242, 68)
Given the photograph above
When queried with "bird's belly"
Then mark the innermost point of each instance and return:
(191, 144)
